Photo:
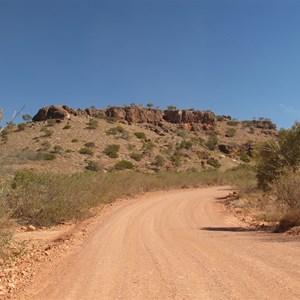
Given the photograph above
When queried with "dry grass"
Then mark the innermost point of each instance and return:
(45, 199)
(286, 193)
(6, 222)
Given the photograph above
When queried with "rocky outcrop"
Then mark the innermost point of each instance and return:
(189, 119)
(230, 149)
(117, 113)
(264, 124)
(94, 112)
(173, 116)
(51, 112)
(227, 149)
(135, 114)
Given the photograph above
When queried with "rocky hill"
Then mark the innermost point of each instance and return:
(63, 139)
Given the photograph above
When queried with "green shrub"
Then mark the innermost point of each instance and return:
(46, 145)
(93, 166)
(25, 155)
(130, 146)
(186, 145)
(214, 162)
(116, 130)
(90, 145)
(136, 156)
(22, 126)
(159, 161)
(44, 156)
(112, 150)
(176, 159)
(47, 132)
(4, 132)
(244, 156)
(27, 118)
(191, 170)
(286, 190)
(110, 120)
(140, 135)
(232, 123)
(212, 141)
(51, 122)
(171, 107)
(92, 124)
(57, 149)
(86, 151)
(269, 164)
(4, 135)
(275, 158)
(123, 165)
(230, 132)
(148, 146)
(220, 118)
(10, 125)
(182, 134)
(67, 126)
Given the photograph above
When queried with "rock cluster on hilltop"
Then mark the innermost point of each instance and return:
(52, 112)
(192, 119)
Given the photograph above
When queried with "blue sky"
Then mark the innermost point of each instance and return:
(234, 57)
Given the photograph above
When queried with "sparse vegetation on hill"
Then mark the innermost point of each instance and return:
(86, 151)
(184, 139)
(112, 150)
(140, 135)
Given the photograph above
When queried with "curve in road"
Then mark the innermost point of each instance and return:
(178, 245)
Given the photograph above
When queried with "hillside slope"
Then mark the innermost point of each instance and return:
(67, 140)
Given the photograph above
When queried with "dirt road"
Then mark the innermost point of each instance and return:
(177, 245)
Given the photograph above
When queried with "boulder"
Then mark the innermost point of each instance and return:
(173, 116)
(136, 114)
(117, 113)
(51, 112)
(190, 117)
(94, 112)
(227, 149)
(264, 124)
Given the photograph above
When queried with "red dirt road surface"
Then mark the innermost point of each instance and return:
(176, 245)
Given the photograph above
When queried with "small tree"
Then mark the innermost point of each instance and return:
(212, 142)
(112, 150)
(150, 104)
(172, 107)
(140, 135)
(22, 126)
(27, 118)
(93, 166)
(269, 163)
(123, 165)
